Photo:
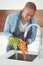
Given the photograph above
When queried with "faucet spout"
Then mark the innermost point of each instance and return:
(25, 34)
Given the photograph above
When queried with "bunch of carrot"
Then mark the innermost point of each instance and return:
(23, 48)
(18, 43)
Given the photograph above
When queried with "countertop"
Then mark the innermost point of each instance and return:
(5, 61)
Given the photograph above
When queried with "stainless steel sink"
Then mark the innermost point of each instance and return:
(19, 56)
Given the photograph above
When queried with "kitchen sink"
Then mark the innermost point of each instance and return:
(19, 56)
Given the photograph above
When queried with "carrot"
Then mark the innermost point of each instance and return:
(23, 47)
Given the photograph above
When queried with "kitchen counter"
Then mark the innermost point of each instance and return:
(5, 61)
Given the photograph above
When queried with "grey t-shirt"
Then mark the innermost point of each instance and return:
(22, 27)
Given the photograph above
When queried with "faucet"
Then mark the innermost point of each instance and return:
(40, 54)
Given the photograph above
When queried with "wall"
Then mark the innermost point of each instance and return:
(19, 4)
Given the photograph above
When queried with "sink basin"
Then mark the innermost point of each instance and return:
(19, 56)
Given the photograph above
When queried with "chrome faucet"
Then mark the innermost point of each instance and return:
(40, 54)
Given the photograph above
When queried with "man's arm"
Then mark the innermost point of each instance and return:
(7, 27)
(34, 31)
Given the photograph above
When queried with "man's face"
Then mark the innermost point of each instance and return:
(28, 14)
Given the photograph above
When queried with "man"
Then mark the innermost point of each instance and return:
(17, 23)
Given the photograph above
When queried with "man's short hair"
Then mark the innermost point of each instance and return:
(30, 5)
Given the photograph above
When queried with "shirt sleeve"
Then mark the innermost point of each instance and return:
(34, 31)
(7, 27)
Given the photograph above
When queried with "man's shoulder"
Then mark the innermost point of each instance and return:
(12, 15)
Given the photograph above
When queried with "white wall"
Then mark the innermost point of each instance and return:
(19, 4)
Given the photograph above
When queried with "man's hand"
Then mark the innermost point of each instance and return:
(22, 46)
